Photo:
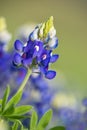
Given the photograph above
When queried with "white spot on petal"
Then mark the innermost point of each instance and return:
(37, 48)
(44, 56)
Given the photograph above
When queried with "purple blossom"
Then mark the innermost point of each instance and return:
(34, 54)
(85, 102)
(37, 51)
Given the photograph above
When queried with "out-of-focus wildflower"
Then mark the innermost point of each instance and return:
(68, 115)
(72, 119)
(85, 102)
(5, 56)
(24, 31)
(78, 125)
(61, 100)
(2, 24)
(37, 51)
(5, 36)
(3, 125)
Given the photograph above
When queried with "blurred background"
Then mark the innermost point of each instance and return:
(70, 20)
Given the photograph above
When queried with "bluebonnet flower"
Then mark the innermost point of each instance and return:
(84, 102)
(5, 36)
(68, 115)
(5, 56)
(78, 125)
(85, 116)
(37, 51)
(73, 120)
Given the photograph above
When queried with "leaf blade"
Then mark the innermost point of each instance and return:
(22, 109)
(5, 97)
(58, 128)
(34, 119)
(14, 100)
(15, 117)
(44, 120)
(0, 101)
(9, 111)
(15, 126)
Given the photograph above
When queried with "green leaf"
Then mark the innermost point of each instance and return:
(0, 101)
(9, 111)
(20, 124)
(22, 110)
(44, 121)
(33, 122)
(14, 100)
(15, 126)
(0, 111)
(17, 113)
(16, 117)
(5, 97)
(58, 128)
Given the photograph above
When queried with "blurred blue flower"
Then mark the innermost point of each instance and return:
(5, 55)
(24, 31)
(84, 102)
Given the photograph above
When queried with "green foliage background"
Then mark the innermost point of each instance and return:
(70, 18)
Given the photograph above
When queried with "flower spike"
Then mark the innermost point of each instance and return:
(37, 52)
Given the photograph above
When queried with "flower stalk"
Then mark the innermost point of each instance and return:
(25, 80)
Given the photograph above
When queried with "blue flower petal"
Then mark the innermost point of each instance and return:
(18, 45)
(50, 74)
(85, 102)
(43, 69)
(38, 48)
(53, 43)
(54, 58)
(34, 35)
(45, 62)
(27, 62)
(17, 59)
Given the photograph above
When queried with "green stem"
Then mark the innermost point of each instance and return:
(25, 80)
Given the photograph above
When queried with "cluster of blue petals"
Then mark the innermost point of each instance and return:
(4, 66)
(74, 119)
(36, 53)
